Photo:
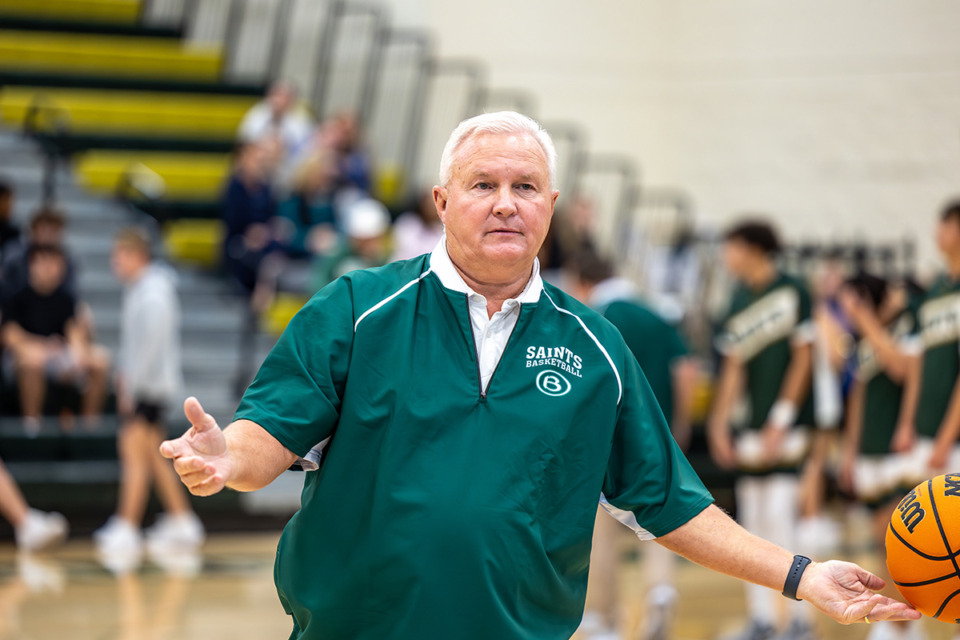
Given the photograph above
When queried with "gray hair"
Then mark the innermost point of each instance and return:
(500, 122)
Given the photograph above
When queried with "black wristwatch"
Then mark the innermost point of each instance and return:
(792, 582)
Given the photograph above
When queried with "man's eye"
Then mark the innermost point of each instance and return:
(526, 187)
(483, 186)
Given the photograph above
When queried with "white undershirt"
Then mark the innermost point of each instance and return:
(490, 334)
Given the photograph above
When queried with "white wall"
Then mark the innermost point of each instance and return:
(841, 118)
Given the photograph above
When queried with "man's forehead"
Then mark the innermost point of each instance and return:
(486, 151)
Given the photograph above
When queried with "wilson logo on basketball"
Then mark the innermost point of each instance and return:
(911, 513)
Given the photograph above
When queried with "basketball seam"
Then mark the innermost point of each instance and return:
(925, 582)
(946, 545)
(923, 555)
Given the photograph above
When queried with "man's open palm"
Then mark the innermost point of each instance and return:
(200, 455)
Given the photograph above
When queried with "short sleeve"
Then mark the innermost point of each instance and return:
(805, 332)
(649, 484)
(297, 392)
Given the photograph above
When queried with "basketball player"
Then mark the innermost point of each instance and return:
(766, 343)
(937, 407)
(876, 436)
(148, 379)
(663, 357)
(468, 416)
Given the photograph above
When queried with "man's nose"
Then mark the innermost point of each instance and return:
(506, 204)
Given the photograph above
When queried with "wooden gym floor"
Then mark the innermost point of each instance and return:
(68, 594)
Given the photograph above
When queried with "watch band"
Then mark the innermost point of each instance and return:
(792, 582)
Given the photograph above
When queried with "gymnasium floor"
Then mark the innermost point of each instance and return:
(68, 594)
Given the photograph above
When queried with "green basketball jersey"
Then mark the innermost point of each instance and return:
(441, 509)
(654, 343)
(939, 320)
(760, 329)
(882, 396)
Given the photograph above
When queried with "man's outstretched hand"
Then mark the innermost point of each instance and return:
(845, 592)
(200, 455)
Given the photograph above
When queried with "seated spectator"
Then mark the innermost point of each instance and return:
(341, 134)
(9, 232)
(148, 384)
(280, 116)
(46, 228)
(308, 224)
(46, 338)
(418, 231)
(34, 530)
(367, 225)
(247, 211)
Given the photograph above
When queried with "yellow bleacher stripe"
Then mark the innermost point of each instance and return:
(113, 11)
(207, 116)
(107, 55)
(196, 176)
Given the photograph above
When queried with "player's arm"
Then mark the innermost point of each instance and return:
(727, 391)
(906, 433)
(842, 590)
(891, 356)
(684, 372)
(243, 457)
(949, 430)
(852, 433)
(793, 392)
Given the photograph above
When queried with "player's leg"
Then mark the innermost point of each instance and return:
(659, 567)
(761, 604)
(33, 529)
(120, 537)
(600, 620)
(178, 529)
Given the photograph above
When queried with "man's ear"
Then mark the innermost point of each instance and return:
(553, 201)
(440, 202)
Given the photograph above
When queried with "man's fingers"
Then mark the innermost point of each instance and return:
(189, 465)
(200, 419)
(871, 581)
(889, 609)
(171, 448)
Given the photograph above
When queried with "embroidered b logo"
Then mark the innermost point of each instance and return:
(552, 383)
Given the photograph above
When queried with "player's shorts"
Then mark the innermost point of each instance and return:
(916, 463)
(877, 478)
(793, 451)
(151, 412)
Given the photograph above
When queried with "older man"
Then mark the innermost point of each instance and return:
(470, 415)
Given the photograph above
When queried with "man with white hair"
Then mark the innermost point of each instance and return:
(470, 415)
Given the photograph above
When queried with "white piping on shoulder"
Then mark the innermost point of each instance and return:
(389, 298)
(596, 341)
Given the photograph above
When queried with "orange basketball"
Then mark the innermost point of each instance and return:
(923, 547)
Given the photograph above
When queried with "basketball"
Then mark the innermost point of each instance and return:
(923, 544)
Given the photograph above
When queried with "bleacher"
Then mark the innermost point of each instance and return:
(125, 111)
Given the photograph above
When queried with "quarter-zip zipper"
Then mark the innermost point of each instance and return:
(476, 349)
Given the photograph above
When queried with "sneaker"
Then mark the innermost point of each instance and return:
(755, 630)
(660, 605)
(184, 531)
(594, 627)
(41, 531)
(118, 536)
(798, 630)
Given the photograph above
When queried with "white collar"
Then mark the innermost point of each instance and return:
(441, 265)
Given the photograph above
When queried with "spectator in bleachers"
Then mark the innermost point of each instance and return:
(417, 231)
(9, 231)
(47, 338)
(148, 381)
(342, 135)
(280, 116)
(248, 207)
(34, 530)
(367, 226)
(307, 219)
(46, 228)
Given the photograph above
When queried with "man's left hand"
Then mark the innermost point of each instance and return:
(845, 592)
